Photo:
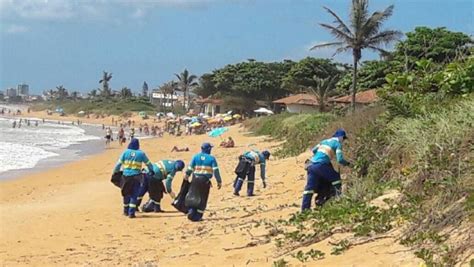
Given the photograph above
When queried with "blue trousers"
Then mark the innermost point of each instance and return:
(130, 192)
(239, 181)
(323, 180)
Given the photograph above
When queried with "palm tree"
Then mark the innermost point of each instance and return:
(125, 93)
(62, 92)
(364, 32)
(185, 83)
(93, 93)
(323, 86)
(169, 88)
(105, 84)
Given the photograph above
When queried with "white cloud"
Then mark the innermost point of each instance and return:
(16, 29)
(138, 13)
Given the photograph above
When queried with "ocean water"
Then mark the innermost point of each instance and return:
(25, 147)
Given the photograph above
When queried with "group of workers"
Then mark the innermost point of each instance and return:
(156, 178)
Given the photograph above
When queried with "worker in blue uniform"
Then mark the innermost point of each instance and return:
(322, 178)
(159, 184)
(202, 167)
(131, 162)
(246, 168)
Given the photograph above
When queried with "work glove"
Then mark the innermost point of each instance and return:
(219, 185)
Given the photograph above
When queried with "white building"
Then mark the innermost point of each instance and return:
(10, 92)
(22, 89)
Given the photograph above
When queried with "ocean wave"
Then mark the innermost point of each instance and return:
(18, 156)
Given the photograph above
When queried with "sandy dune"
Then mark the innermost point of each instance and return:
(71, 216)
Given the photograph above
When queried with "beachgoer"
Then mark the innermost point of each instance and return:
(14, 124)
(228, 143)
(36, 123)
(177, 149)
(132, 133)
(108, 136)
(246, 169)
(203, 167)
(131, 162)
(322, 178)
(164, 170)
(121, 136)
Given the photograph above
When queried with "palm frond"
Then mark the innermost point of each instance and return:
(359, 15)
(338, 34)
(340, 24)
(381, 51)
(326, 45)
(342, 50)
(384, 38)
(374, 23)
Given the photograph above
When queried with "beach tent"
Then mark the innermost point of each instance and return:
(218, 132)
(263, 111)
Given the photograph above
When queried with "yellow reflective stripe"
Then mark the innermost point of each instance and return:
(215, 168)
(336, 182)
(308, 192)
(132, 164)
(203, 169)
(200, 211)
(155, 202)
(139, 198)
(250, 182)
(326, 150)
(162, 168)
(132, 205)
(125, 205)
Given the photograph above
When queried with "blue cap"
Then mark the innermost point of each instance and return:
(134, 144)
(266, 154)
(179, 165)
(206, 147)
(340, 133)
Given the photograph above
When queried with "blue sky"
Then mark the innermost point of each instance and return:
(46, 43)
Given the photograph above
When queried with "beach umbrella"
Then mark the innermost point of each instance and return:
(218, 132)
(82, 112)
(170, 115)
(263, 111)
(227, 118)
(237, 116)
(195, 124)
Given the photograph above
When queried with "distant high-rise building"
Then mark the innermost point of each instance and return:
(10, 92)
(22, 89)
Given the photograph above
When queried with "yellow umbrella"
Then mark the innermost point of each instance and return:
(196, 124)
(227, 118)
(237, 116)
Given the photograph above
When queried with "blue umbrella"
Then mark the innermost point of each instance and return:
(218, 132)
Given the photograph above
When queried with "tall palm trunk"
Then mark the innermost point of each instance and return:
(354, 83)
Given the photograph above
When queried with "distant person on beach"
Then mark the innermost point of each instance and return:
(177, 149)
(203, 167)
(36, 123)
(108, 136)
(228, 143)
(132, 133)
(164, 170)
(131, 162)
(121, 136)
(246, 169)
(322, 178)
(14, 124)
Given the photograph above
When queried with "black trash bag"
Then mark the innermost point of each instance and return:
(117, 179)
(243, 167)
(198, 193)
(178, 202)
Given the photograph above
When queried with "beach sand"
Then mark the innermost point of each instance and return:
(72, 216)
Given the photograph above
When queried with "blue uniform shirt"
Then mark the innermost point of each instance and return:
(204, 164)
(257, 158)
(131, 160)
(164, 169)
(325, 151)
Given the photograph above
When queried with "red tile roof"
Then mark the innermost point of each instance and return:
(210, 101)
(301, 99)
(365, 97)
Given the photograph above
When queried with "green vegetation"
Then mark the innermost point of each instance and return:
(113, 106)
(297, 128)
